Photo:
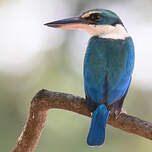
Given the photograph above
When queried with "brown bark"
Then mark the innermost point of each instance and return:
(45, 100)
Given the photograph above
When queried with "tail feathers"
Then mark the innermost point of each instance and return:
(96, 134)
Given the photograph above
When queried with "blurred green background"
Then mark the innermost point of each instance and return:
(35, 57)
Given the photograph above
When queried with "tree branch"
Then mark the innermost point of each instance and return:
(45, 100)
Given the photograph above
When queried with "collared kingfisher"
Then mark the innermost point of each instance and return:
(108, 66)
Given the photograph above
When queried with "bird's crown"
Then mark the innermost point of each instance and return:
(101, 17)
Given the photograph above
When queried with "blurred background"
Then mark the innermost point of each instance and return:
(34, 57)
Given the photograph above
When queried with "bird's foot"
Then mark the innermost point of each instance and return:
(117, 113)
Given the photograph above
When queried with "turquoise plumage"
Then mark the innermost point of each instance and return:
(108, 66)
(106, 60)
(114, 58)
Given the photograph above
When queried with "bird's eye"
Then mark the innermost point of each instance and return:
(92, 18)
(95, 17)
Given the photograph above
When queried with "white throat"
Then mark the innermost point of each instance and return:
(104, 31)
(108, 31)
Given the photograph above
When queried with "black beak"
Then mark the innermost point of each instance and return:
(66, 22)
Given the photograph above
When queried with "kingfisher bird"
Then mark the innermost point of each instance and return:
(108, 66)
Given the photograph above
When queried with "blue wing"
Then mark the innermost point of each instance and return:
(108, 68)
(114, 58)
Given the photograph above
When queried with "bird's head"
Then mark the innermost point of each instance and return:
(95, 22)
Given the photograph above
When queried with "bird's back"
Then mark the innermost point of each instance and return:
(111, 59)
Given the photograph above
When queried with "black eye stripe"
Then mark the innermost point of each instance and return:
(94, 17)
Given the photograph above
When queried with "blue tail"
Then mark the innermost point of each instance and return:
(96, 134)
